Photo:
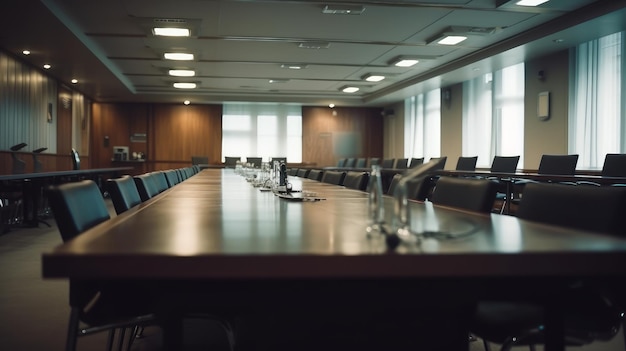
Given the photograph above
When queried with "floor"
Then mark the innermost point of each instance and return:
(34, 312)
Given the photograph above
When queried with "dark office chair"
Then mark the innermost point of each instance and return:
(78, 207)
(333, 177)
(172, 177)
(558, 164)
(230, 162)
(477, 195)
(123, 192)
(75, 159)
(614, 166)
(589, 314)
(160, 180)
(303, 172)
(401, 163)
(356, 180)
(388, 163)
(19, 166)
(374, 161)
(341, 162)
(503, 164)
(37, 165)
(256, 161)
(146, 186)
(292, 171)
(361, 163)
(350, 162)
(316, 174)
(199, 160)
(416, 162)
(466, 163)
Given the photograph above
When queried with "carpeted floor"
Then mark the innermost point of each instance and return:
(34, 312)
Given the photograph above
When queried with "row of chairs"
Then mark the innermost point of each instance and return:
(589, 315)
(79, 206)
(350, 179)
(392, 163)
(231, 161)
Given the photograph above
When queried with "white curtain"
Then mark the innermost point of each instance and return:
(493, 115)
(596, 108)
(422, 125)
(262, 130)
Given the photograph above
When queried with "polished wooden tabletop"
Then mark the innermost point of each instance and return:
(216, 225)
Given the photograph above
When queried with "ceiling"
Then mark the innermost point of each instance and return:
(240, 45)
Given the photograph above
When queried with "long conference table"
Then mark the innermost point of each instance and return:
(214, 239)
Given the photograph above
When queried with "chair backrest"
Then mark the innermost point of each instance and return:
(599, 209)
(76, 207)
(199, 160)
(361, 163)
(416, 162)
(614, 165)
(393, 184)
(558, 164)
(230, 162)
(356, 180)
(401, 163)
(373, 161)
(477, 195)
(504, 164)
(75, 159)
(442, 158)
(350, 162)
(303, 172)
(388, 163)
(316, 174)
(146, 186)
(333, 177)
(341, 162)
(159, 180)
(123, 192)
(466, 163)
(292, 171)
(172, 177)
(256, 161)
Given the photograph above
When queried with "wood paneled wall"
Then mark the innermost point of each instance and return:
(174, 133)
(330, 134)
(177, 132)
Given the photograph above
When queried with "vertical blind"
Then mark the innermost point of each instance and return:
(262, 130)
(422, 125)
(493, 115)
(597, 118)
(28, 102)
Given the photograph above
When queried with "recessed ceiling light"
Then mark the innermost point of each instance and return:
(26, 52)
(46, 66)
(171, 32)
(530, 2)
(451, 39)
(295, 66)
(278, 80)
(331, 105)
(186, 102)
(404, 62)
(373, 77)
(184, 85)
(349, 89)
(182, 72)
(314, 45)
(343, 9)
(178, 56)
(74, 81)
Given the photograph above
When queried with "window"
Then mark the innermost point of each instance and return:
(422, 125)
(262, 130)
(493, 115)
(597, 116)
